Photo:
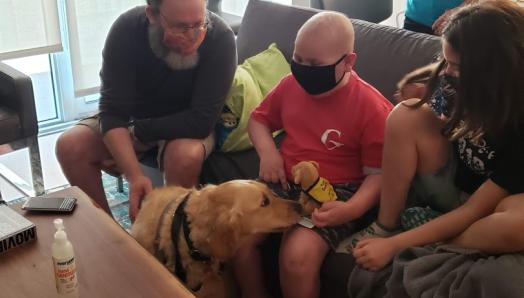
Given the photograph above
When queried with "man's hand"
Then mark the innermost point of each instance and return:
(331, 214)
(375, 253)
(139, 187)
(272, 169)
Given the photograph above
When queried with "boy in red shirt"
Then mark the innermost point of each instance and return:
(330, 116)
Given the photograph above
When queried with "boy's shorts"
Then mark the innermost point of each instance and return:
(332, 235)
(142, 149)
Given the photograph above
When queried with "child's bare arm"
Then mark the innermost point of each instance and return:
(375, 253)
(271, 163)
(366, 196)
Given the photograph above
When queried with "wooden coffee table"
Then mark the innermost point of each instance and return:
(109, 261)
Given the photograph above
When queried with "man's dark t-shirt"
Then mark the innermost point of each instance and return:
(164, 103)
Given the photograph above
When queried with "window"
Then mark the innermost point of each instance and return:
(38, 68)
(83, 24)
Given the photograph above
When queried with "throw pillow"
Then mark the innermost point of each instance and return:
(253, 80)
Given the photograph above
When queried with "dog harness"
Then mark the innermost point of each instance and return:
(180, 221)
(321, 191)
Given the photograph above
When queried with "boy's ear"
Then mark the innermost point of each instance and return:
(350, 61)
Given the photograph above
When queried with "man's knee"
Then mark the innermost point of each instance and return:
(77, 144)
(184, 155)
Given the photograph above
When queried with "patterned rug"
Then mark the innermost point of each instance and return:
(118, 201)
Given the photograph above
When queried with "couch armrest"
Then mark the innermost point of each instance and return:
(16, 93)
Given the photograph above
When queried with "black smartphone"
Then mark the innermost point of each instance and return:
(62, 204)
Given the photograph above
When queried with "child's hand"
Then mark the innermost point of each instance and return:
(330, 214)
(272, 169)
(373, 254)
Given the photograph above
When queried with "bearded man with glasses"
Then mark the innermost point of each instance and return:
(160, 88)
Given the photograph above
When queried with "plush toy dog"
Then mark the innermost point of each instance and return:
(315, 189)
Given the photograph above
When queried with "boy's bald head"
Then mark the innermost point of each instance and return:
(331, 30)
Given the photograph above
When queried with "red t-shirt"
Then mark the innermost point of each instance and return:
(343, 132)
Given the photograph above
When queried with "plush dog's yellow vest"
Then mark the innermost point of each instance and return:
(322, 191)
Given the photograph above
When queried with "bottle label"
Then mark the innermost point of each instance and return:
(65, 275)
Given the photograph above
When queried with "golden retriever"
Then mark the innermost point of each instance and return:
(221, 217)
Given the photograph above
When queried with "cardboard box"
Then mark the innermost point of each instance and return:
(15, 230)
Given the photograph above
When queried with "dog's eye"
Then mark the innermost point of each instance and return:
(265, 202)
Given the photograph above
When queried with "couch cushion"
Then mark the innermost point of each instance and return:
(385, 54)
(267, 68)
(16, 94)
(266, 22)
(231, 128)
(10, 127)
(253, 80)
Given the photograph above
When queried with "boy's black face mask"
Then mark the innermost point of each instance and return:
(316, 79)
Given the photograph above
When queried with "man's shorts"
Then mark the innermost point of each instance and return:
(332, 235)
(109, 166)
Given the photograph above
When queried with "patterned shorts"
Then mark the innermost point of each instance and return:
(332, 235)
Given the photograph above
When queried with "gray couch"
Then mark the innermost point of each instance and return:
(384, 54)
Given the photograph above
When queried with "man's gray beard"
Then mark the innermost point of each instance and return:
(174, 60)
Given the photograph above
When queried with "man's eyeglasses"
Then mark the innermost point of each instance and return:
(181, 29)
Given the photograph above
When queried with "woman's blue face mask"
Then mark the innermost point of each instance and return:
(316, 79)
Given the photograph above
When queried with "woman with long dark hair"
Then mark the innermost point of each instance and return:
(464, 139)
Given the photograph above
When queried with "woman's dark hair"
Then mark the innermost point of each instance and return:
(489, 40)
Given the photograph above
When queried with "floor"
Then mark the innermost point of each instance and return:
(18, 162)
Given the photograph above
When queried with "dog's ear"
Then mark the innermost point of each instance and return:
(226, 236)
(235, 214)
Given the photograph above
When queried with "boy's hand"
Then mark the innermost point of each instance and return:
(373, 254)
(272, 169)
(330, 214)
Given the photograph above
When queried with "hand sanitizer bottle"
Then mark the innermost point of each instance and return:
(64, 263)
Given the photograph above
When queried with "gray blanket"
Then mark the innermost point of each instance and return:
(442, 271)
